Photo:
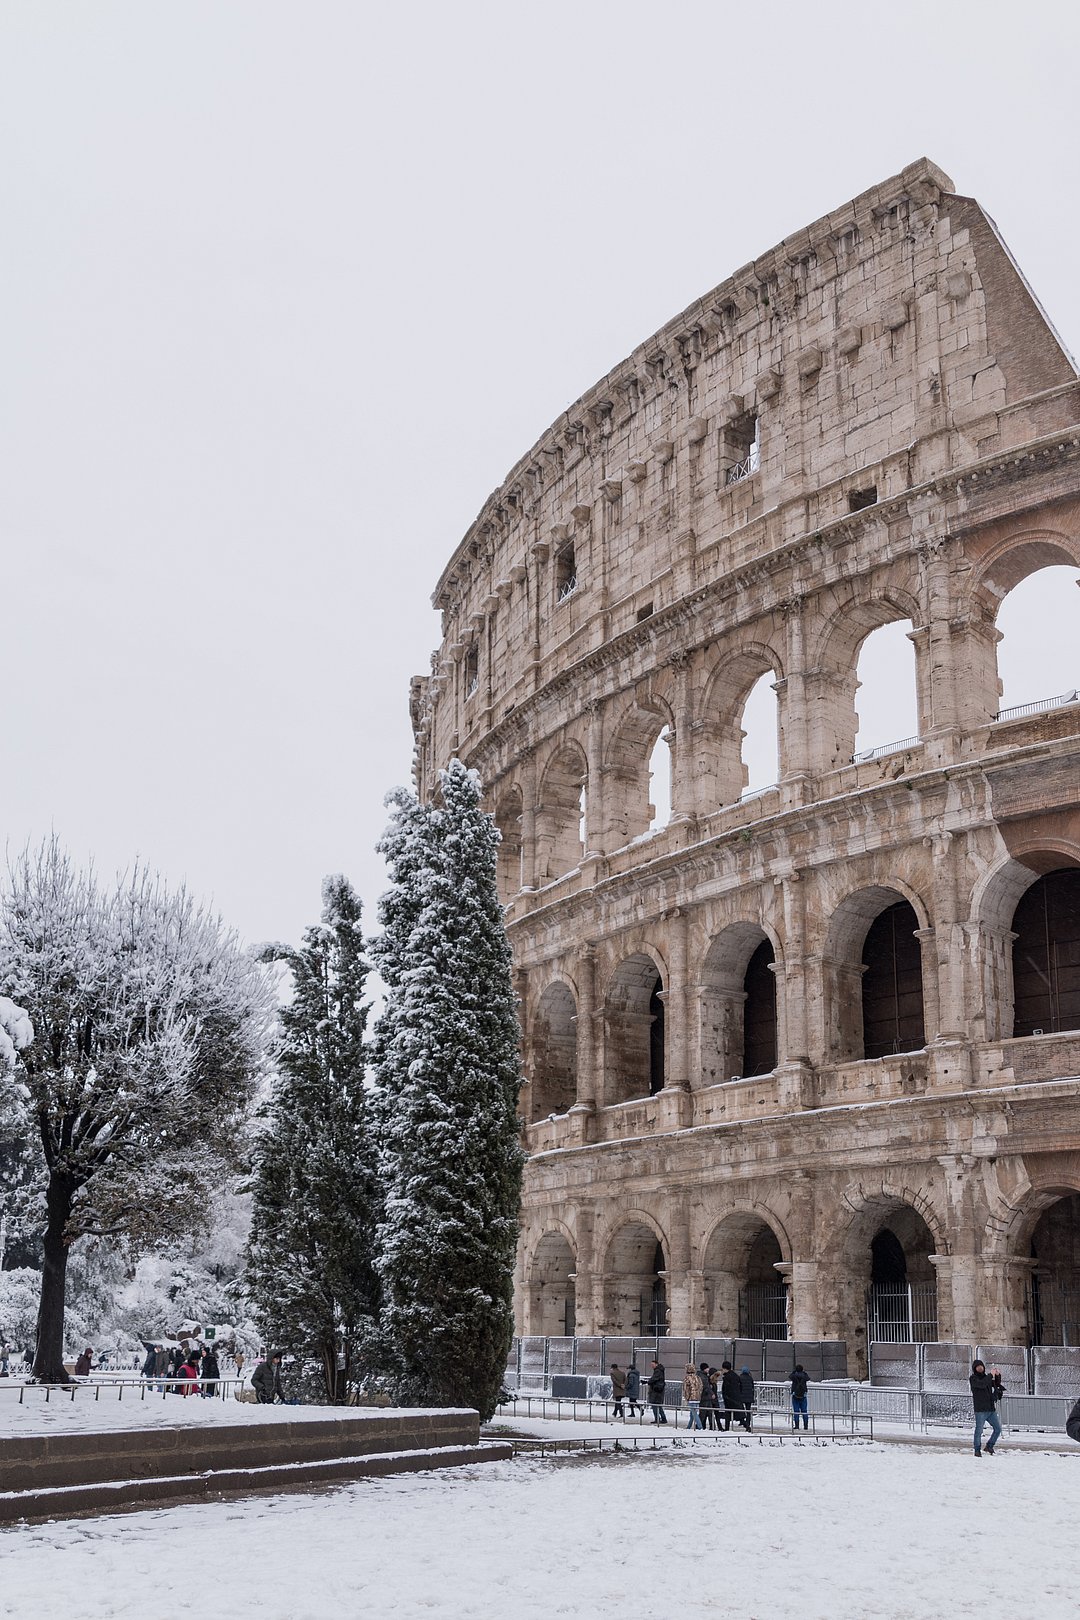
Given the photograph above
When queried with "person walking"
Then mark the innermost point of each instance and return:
(84, 1363)
(1072, 1423)
(731, 1391)
(986, 1390)
(799, 1399)
(210, 1372)
(618, 1390)
(707, 1401)
(657, 1385)
(749, 1394)
(266, 1380)
(691, 1394)
(633, 1390)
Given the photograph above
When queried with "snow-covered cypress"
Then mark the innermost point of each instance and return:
(310, 1275)
(448, 1069)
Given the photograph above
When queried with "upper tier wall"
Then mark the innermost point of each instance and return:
(887, 344)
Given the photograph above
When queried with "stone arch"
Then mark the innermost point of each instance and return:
(634, 1029)
(508, 817)
(1037, 1242)
(833, 681)
(885, 1277)
(738, 1006)
(635, 1277)
(553, 1052)
(560, 812)
(994, 905)
(626, 768)
(873, 973)
(1017, 556)
(719, 769)
(742, 1289)
(550, 1275)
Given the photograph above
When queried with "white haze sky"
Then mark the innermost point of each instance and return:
(288, 288)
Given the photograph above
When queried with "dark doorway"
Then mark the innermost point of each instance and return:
(1046, 955)
(759, 1015)
(892, 1001)
(654, 1305)
(656, 1038)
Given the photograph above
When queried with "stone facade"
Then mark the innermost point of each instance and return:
(777, 1049)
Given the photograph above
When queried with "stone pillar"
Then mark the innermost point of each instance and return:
(520, 1327)
(793, 1002)
(584, 1109)
(948, 1035)
(804, 1314)
(588, 1282)
(795, 750)
(595, 814)
(528, 819)
(677, 1003)
(680, 1318)
(683, 795)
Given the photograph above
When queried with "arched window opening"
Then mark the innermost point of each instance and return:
(1046, 955)
(554, 1053)
(892, 1000)
(746, 1297)
(551, 1288)
(886, 702)
(635, 1292)
(759, 1013)
(1055, 1281)
(760, 726)
(560, 815)
(660, 782)
(902, 1297)
(1039, 652)
(634, 1030)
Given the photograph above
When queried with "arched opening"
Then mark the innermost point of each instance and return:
(1038, 656)
(634, 1031)
(635, 1285)
(554, 1053)
(508, 821)
(560, 814)
(760, 740)
(886, 698)
(745, 1296)
(551, 1288)
(660, 782)
(873, 976)
(1055, 1281)
(738, 1006)
(892, 998)
(1046, 955)
(901, 1301)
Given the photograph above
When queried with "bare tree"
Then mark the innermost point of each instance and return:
(150, 1028)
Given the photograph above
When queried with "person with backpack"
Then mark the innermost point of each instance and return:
(691, 1394)
(657, 1386)
(986, 1390)
(707, 1401)
(800, 1402)
(618, 1390)
(633, 1390)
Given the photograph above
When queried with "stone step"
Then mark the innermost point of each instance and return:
(130, 1495)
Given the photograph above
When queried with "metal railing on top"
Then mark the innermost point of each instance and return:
(1041, 704)
(159, 1384)
(886, 748)
(743, 469)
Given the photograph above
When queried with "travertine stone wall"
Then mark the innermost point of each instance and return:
(872, 423)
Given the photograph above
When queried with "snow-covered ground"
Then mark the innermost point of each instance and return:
(756, 1531)
(60, 1414)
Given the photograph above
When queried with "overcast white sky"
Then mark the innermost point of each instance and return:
(288, 287)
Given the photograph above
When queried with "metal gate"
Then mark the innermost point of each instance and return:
(901, 1313)
(1055, 1311)
(763, 1312)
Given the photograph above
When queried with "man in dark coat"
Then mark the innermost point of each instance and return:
(800, 1401)
(749, 1391)
(657, 1385)
(266, 1380)
(1072, 1424)
(84, 1363)
(707, 1408)
(986, 1390)
(618, 1390)
(731, 1394)
(633, 1391)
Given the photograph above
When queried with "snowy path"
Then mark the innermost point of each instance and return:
(62, 1415)
(758, 1532)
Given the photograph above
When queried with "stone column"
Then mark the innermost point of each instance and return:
(677, 1003)
(683, 795)
(793, 996)
(795, 752)
(680, 1319)
(588, 1282)
(528, 819)
(948, 1036)
(595, 814)
(584, 1109)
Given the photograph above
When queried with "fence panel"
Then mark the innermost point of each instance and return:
(532, 1372)
(1035, 1411)
(1011, 1361)
(894, 1366)
(1055, 1370)
(946, 1368)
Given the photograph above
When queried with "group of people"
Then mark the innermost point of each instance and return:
(715, 1397)
(187, 1368)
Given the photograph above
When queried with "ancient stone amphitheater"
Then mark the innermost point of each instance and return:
(803, 1062)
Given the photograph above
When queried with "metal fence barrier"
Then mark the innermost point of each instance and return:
(764, 1419)
(164, 1385)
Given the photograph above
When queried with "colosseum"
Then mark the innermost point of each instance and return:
(800, 1062)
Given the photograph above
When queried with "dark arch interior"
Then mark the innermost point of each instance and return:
(1055, 1283)
(888, 1262)
(1046, 955)
(892, 1002)
(759, 1015)
(656, 1038)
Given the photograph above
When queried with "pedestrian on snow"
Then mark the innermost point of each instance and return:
(749, 1393)
(5, 1360)
(657, 1385)
(266, 1380)
(691, 1394)
(707, 1400)
(210, 1372)
(799, 1400)
(84, 1364)
(188, 1375)
(731, 1391)
(633, 1390)
(618, 1390)
(986, 1390)
(151, 1360)
(1072, 1424)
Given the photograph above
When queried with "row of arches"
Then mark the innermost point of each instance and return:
(870, 689)
(872, 975)
(883, 1284)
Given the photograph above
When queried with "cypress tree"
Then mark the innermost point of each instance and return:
(448, 1068)
(310, 1272)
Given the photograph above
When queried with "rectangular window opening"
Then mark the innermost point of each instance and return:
(644, 613)
(472, 671)
(565, 573)
(860, 499)
(742, 447)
